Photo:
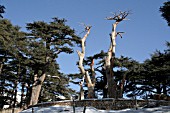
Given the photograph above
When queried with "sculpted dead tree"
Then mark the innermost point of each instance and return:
(109, 60)
(84, 72)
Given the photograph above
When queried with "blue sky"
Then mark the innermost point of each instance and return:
(145, 32)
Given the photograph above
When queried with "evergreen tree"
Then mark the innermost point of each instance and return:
(23, 56)
(48, 41)
(2, 10)
(158, 68)
(150, 77)
(165, 10)
(134, 79)
(11, 40)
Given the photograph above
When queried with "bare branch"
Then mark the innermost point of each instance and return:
(82, 53)
(86, 27)
(119, 17)
(81, 67)
(120, 34)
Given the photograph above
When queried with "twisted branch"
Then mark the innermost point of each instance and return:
(119, 16)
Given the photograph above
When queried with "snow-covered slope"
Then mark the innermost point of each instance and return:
(69, 109)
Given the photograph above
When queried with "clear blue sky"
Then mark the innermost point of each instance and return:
(146, 31)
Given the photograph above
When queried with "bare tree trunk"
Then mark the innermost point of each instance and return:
(81, 95)
(164, 87)
(109, 64)
(105, 89)
(28, 95)
(36, 88)
(81, 55)
(2, 83)
(1, 65)
(22, 95)
(112, 85)
(15, 94)
(90, 86)
(122, 86)
(93, 79)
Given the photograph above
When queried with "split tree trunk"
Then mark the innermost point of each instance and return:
(81, 55)
(36, 88)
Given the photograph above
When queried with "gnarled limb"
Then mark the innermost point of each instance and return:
(119, 16)
(82, 54)
(81, 67)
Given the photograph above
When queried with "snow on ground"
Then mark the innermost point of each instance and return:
(69, 109)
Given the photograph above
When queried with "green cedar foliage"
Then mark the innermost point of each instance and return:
(2, 10)
(48, 41)
(11, 46)
(165, 10)
(158, 71)
(151, 77)
(23, 54)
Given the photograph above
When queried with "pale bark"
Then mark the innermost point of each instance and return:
(85, 73)
(81, 95)
(36, 88)
(109, 60)
(109, 63)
